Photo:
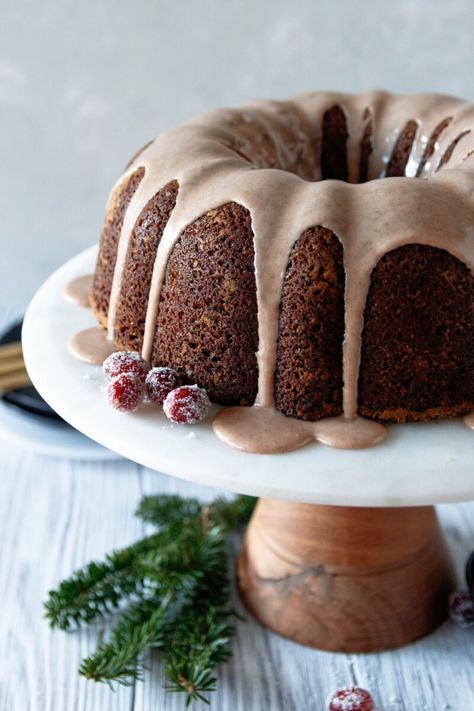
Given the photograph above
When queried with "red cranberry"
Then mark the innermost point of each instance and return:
(125, 362)
(351, 699)
(159, 383)
(187, 404)
(461, 609)
(125, 392)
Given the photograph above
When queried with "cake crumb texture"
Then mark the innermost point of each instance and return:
(417, 359)
(207, 322)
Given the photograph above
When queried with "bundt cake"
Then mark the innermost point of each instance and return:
(278, 256)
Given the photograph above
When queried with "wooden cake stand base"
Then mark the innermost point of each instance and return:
(345, 579)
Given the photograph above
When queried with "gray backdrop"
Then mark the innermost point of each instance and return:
(83, 83)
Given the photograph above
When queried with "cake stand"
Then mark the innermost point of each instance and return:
(343, 552)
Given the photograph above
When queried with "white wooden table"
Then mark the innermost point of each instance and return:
(56, 515)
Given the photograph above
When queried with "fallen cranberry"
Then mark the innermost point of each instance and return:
(123, 362)
(186, 405)
(351, 699)
(125, 392)
(461, 609)
(159, 383)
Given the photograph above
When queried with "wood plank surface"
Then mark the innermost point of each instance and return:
(56, 515)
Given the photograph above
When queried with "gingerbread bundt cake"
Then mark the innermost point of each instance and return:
(278, 256)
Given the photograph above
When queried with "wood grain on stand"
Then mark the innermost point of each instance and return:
(345, 579)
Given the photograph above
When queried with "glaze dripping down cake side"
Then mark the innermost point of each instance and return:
(109, 242)
(278, 256)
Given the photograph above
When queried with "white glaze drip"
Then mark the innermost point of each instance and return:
(91, 345)
(78, 290)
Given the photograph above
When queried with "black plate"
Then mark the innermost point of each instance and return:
(470, 574)
(28, 398)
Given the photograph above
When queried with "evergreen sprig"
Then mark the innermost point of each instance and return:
(98, 588)
(197, 644)
(173, 589)
(141, 628)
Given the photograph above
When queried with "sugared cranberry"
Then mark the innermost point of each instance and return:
(461, 609)
(187, 404)
(159, 383)
(123, 362)
(351, 699)
(125, 392)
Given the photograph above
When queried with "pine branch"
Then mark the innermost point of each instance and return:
(98, 588)
(199, 639)
(140, 629)
(230, 514)
(193, 550)
(176, 585)
(165, 510)
(197, 644)
(144, 626)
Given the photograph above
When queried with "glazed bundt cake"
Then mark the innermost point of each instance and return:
(278, 256)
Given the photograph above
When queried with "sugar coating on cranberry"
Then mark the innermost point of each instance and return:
(351, 699)
(123, 362)
(461, 609)
(159, 383)
(187, 404)
(125, 392)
